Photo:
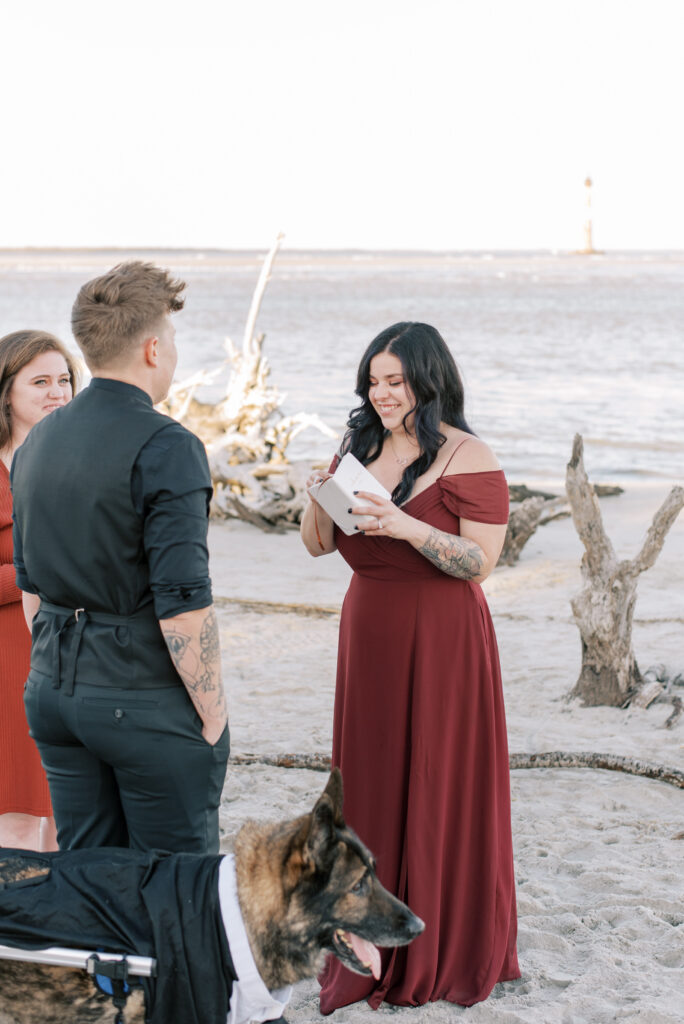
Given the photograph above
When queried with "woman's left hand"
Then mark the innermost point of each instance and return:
(382, 517)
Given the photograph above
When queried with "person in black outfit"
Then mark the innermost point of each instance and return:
(124, 698)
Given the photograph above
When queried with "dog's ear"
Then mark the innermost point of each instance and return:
(298, 860)
(334, 790)
(322, 837)
(316, 839)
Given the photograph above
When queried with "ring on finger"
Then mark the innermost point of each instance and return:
(379, 523)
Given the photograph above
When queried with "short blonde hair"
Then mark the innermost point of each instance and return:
(16, 351)
(112, 311)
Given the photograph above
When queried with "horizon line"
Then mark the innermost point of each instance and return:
(551, 250)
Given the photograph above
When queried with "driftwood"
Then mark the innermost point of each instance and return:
(609, 762)
(313, 611)
(245, 433)
(313, 762)
(667, 676)
(604, 609)
(677, 708)
(522, 523)
(607, 490)
(524, 519)
(271, 496)
(658, 688)
(520, 492)
(548, 759)
(531, 509)
(649, 692)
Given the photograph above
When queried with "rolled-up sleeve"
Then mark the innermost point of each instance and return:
(22, 580)
(171, 489)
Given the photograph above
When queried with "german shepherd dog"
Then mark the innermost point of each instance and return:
(306, 887)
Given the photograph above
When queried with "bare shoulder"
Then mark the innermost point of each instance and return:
(473, 456)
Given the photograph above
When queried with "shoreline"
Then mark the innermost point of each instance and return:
(193, 259)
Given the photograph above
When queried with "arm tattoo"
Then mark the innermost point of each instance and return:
(454, 555)
(210, 649)
(177, 644)
(197, 659)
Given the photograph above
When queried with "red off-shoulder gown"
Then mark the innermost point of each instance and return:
(420, 736)
(23, 785)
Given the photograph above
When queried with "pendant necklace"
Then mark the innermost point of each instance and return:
(401, 462)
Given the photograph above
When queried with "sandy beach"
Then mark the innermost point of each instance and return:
(599, 855)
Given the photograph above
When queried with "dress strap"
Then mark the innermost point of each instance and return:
(452, 455)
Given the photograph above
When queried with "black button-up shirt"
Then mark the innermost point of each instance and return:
(171, 491)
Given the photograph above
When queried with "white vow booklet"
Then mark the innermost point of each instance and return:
(336, 495)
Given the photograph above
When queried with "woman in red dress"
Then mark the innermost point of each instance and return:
(419, 728)
(36, 376)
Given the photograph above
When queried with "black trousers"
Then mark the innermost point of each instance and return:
(127, 767)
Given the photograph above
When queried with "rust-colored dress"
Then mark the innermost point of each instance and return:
(420, 737)
(23, 785)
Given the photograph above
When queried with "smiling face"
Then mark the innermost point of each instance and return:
(39, 388)
(388, 392)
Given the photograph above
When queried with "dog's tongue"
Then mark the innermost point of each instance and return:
(366, 952)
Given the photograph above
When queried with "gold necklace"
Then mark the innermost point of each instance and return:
(401, 462)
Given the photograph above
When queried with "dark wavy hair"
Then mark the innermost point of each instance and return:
(434, 380)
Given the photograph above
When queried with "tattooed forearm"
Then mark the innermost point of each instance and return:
(193, 643)
(454, 555)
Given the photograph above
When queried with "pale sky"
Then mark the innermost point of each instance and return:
(351, 123)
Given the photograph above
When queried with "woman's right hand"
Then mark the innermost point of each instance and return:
(317, 477)
(317, 528)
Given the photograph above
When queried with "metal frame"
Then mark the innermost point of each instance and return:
(59, 956)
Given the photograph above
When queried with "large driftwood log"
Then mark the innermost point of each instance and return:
(245, 433)
(604, 609)
(547, 759)
(269, 495)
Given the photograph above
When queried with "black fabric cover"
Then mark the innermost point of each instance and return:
(126, 901)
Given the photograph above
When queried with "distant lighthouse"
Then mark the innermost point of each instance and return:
(588, 234)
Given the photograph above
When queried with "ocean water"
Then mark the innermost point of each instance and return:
(548, 344)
